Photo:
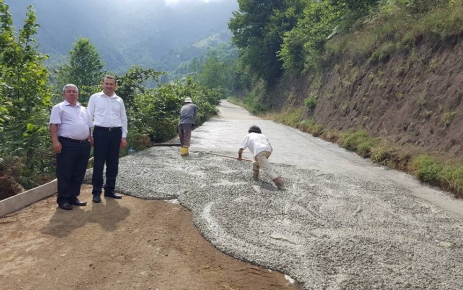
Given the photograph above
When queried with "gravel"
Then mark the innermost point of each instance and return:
(342, 222)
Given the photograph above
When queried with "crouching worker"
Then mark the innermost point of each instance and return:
(261, 149)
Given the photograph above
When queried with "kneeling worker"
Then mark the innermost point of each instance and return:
(261, 149)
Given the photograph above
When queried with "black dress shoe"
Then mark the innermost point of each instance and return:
(79, 203)
(113, 195)
(96, 199)
(65, 206)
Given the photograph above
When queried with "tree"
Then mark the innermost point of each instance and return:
(219, 70)
(84, 70)
(255, 35)
(131, 83)
(24, 94)
(304, 44)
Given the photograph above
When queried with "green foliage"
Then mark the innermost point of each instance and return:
(155, 112)
(427, 169)
(83, 70)
(292, 117)
(24, 96)
(311, 102)
(397, 26)
(358, 141)
(452, 177)
(132, 82)
(356, 6)
(258, 28)
(447, 118)
(421, 6)
(310, 127)
(219, 73)
(383, 53)
(252, 100)
(303, 44)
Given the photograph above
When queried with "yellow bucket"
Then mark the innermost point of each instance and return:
(183, 151)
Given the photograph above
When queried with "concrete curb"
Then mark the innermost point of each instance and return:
(29, 197)
(26, 198)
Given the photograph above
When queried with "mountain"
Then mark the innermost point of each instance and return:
(125, 32)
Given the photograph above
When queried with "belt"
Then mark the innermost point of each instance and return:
(108, 128)
(73, 140)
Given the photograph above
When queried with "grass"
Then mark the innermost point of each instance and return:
(394, 28)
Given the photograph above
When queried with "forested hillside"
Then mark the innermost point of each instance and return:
(127, 32)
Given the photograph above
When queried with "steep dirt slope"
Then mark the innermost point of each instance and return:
(409, 98)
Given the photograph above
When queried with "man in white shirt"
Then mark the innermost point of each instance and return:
(260, 147)
(70, 126)
(109, 135)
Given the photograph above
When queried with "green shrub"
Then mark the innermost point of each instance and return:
(364, 148)
(453, 176)
(311, 102)
(380, 154)
(358, 141)
(427, 169)
(447, 118)
(308, 125)
(292, 117)
(351, 140)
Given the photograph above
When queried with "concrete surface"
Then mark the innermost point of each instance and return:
(342, 223)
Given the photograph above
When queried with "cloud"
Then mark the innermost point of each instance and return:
(176, 2)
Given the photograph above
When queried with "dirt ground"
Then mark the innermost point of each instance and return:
(118, 244)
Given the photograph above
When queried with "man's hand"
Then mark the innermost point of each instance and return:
(123, 142)
(240, 154)
(92, 142)
(57, 146)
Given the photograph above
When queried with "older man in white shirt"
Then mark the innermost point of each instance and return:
(70, 126)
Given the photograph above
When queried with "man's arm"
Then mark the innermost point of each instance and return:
(91, 112)
(54, 138)
(124, 126)
(240, 154)
(195, 114)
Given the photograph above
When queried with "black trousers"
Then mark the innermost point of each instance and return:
(71, 165)
(107, 144)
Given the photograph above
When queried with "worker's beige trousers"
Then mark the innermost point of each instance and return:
(261, 162)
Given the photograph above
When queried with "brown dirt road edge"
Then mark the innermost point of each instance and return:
(118, 244)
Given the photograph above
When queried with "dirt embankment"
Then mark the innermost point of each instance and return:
(410, 98)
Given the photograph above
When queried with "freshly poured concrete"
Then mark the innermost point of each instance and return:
(342, 223)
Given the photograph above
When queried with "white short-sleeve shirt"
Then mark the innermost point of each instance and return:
(256, 143)
(73, 122)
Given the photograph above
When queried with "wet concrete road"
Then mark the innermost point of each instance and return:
(342, 223)
(293, 147)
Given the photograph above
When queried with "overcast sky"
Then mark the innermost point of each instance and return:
(172, 2)
(175, 2)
